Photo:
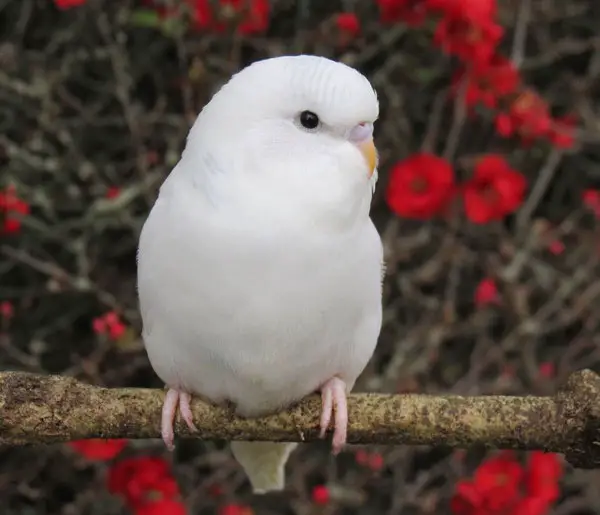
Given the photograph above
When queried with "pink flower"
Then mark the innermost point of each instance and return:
(486, 293)
(112, 192)
(320, 494)
(7, 310)
(547, 369)
(110, 324)
(68, 4)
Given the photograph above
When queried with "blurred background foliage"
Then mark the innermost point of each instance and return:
(95, 105)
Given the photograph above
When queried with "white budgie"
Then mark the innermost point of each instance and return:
(259, 269)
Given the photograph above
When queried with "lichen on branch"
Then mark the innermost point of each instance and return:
(37, 409)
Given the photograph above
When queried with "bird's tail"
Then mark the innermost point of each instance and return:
(264, 463)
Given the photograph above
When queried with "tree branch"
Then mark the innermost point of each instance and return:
(46, 409)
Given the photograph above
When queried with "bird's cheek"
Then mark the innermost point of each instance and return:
(369, 152)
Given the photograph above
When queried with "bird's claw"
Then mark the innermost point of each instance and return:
(173, 399)
(333, 397)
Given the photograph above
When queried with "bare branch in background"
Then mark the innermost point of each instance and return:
(48, 409)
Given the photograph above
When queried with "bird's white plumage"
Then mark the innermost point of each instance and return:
(259, 269)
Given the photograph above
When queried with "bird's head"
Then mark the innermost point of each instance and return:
(293, 130)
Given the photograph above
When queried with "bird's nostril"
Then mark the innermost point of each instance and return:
(361, 132)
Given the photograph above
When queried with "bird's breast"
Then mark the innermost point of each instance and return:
(253, 318)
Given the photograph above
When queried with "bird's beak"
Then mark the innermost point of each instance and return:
(369, 152)
(362, 137)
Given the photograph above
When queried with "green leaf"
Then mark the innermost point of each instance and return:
(145, 18)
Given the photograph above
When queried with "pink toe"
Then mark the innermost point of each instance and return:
(168, 415)
(327, 407)
(341, 428)
(333, 395)
(186, 410)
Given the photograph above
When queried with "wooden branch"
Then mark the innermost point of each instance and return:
(46, 409)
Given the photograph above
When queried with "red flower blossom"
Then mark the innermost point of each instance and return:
(487, 82)
(561, 132)
(7, 310)
(252, 16)
(98, 449)
(591, 199)
(362, 457)
(162, 507)
(531, 506)
(466, 499)
(255, 14)
(546, 369)
(420, 186)
(486, 292)
(236, 509)
(495, 190)
(110, 324)
(498, 480)
(495, 488)
(543, 473)
(528, 117)
(112, 192)
(376, 462)
(468, 29)
(320, 494)
(411, 12)
(140, 480)
(348, 23)
(68, 4)
(10, 205)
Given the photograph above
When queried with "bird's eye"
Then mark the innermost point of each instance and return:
(309, 120)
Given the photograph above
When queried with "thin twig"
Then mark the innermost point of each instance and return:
(520, 38)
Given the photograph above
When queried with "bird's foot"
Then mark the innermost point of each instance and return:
(333, 398)
(175, 398)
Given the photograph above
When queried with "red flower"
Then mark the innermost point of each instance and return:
(67, 4)
(162, 507)
(7, 310)
(348, 23)
(487, 82)
(110, 324)
(528, 117)
(467, 500)
(495, 190)
(252, 15)
(498, 481)
(543, 473)
(236, 509)
(255, 14)
(486, 292)
(591, 199)
(556, 247)
(561, 132)
(411, 12)
(98, 449)
(468, 29)
(420, 186)
(376, 462)
(362, 457)
(10, 204)
(531, 506)
(320, 494)
(140, 480)
(112, 192)
(496, 488)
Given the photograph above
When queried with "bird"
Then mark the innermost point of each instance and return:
(259, 269)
